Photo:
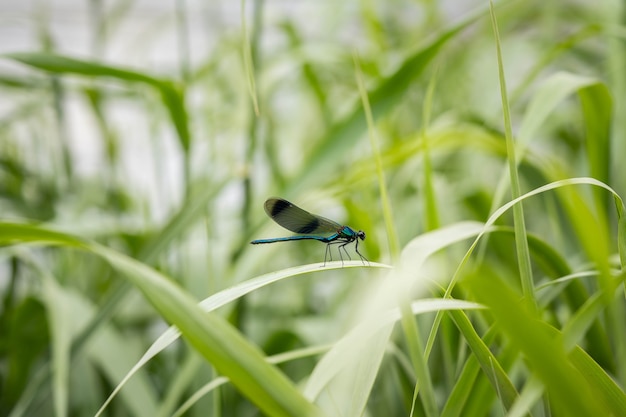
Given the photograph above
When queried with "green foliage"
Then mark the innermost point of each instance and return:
(481, 153)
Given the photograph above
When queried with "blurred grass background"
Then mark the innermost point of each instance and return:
(139, 141)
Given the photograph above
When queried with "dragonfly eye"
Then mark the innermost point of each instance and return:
(361, 234)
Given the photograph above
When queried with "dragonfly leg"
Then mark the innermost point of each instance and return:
(340, 255)
(363, 258)
(329, 250)
(328, 253)
(343, 246)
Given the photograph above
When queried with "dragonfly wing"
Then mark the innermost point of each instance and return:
(293, 218)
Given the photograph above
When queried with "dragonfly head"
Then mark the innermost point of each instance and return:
(360, 234)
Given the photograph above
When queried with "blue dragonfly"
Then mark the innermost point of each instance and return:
(310, 226)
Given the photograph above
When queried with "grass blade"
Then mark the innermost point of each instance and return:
(544, 352)
(521, 240)
(215, 339)
(172, 96)
(330, 151)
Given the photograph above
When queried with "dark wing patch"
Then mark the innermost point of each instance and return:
(310, 227)
(293, 218)
(273, 207)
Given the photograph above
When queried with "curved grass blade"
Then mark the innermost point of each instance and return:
(68, 312)
(190, 210)
(544, 349)
(365, 335)
(465, 382)
(171, 94)
(224, 297)
(550, 94)
(466, 328)
(519, 222)
(341, 366)
(275, 359)
(210, 335)
(331, 149)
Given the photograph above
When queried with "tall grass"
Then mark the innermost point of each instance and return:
(480, 153)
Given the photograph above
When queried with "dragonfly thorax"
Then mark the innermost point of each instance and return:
(350, 234)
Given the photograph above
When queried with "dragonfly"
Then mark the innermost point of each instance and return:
(310, 226)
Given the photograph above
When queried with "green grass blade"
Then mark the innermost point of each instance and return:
(431, 212)
(392, 236)
(489, 363)
(542, 348)
(60, 319)
(181, 383)
(465, 382)
(68, 313)
(424, 385)
(621, 231)
(275, 359)
(341, 138)
(227, 296)
(385, 297)
(568, 43)
(215, 339)
(11, 233)
(248, 62)
(521, 241)
(597, 107)
(59, 64)
(172, 96)
(532, 392)
(552, 92)
(499, 212)
(606, 388)
(469, 330)
(191, 209)
(360, 369)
